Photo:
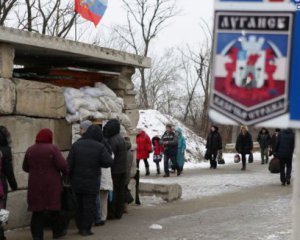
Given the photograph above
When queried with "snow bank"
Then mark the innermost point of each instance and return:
(153, 122)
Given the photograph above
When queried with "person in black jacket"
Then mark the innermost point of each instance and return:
(87, 156)
(284, 150)
(213, 145)
(111, 132)
(170, 142)
(244, 145)
(264, 140)
(273, 141)
(7, 173)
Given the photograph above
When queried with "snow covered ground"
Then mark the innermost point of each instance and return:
(205, 182)
(153, 123)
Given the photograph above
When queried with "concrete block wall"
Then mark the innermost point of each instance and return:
(25, 108)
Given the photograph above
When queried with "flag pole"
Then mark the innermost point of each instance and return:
(76, 27)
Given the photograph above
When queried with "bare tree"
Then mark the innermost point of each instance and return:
(6, 7)
(164, 73)
(54, 18)
(145, 20)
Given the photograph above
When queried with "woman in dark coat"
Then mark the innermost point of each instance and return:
(111, 132)
(264, 140)
(213, 145)
(45, 164)
(7, 172)
(244, 145)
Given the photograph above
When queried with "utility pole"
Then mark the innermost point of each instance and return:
(296, 192)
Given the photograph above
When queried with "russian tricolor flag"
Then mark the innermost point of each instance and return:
(91, 10)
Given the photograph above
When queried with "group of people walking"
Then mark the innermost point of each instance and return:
(281, 145)
(170, 148)
(98, 169)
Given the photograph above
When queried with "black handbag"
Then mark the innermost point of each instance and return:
(250, 158)
(129, 197)
(207, 155)
(220, 158)
(274, 165)
(68, 200)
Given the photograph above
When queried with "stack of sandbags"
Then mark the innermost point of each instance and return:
(98, 102)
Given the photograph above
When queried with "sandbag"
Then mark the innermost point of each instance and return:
(70, 104)
(73, 92)
(99, 115)
(85, 114)
(274, 165)
(103, 106)
(80, 103)
(112, 105)
(105, 90)
(72, 118)
(92, 92)
(120, 102)
(125, 120)
(91, 103)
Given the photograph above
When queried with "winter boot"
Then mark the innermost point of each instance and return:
(147, 171)
(126, 208)
(157, 171)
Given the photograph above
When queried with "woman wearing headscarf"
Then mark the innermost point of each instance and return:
(7, 172)
(45, 165)
(181, 148)
(244, 144)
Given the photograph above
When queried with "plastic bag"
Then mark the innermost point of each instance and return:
(237, 158)
(220, 157)
(250, 158)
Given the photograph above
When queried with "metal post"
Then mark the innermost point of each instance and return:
(296, 192)
(76, 28)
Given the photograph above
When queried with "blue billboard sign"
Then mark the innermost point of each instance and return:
(256, 75)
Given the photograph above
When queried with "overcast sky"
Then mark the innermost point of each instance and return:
(182, 29)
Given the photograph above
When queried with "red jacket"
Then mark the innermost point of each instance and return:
(158, 148)
(144, 146)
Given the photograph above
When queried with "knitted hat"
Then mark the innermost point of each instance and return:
(85, 125)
